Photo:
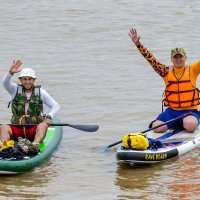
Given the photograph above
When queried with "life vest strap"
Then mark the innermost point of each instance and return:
(175, 102)
(178, 81)
(176, 92)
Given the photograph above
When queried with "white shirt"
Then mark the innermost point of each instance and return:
(45, 97)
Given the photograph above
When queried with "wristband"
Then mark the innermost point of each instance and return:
(48, 117)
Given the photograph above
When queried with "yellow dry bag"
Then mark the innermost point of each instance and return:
(6, 144)
(135, 141)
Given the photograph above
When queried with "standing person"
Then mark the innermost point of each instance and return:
(181, 95)
(27, 106)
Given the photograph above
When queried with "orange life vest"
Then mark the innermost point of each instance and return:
(179, 92)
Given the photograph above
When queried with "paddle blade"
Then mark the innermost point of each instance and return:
(87, 128)
(103, 150)
(111, 145)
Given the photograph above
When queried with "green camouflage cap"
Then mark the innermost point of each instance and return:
(177, 50)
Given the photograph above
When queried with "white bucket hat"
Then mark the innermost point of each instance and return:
(27, 72)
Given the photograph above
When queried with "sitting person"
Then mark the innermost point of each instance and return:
(181, 96)
(27, 106)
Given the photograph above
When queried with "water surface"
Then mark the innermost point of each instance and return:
(84, 58)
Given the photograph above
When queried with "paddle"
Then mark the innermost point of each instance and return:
(150, 129)
(87, 128)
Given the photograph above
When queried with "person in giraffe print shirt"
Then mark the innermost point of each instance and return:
(181, 96)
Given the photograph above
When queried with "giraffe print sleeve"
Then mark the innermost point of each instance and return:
(161, 69)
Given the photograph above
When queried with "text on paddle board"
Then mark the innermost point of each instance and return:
(155, 156)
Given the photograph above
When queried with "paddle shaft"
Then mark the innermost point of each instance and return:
(150, 129)
(87, 128)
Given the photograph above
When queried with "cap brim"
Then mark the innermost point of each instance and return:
(178, 54)
(28, 76)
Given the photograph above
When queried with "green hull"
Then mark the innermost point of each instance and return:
(47, 148)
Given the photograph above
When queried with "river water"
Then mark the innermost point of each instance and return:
(85, 59)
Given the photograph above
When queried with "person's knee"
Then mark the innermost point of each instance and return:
(5, 128)
(160, 129)
(5, 132)
(190, 123)
(42, 127)
(190, 127)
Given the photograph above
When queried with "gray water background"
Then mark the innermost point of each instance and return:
(85, 59)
